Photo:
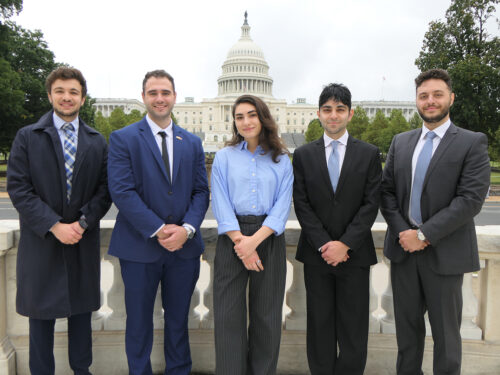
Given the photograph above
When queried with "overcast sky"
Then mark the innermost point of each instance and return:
(306, 43)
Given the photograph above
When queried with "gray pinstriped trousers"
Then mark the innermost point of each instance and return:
(235, 353)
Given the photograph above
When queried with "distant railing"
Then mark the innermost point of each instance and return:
(480, 322)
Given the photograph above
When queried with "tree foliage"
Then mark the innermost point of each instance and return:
(359, 123)
(462, 45)
(9, 7)
(314, 131)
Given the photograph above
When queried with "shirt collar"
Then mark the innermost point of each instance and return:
(59, 122)
(342, 140)
(155, 129)
(243, 145)
(440, 130)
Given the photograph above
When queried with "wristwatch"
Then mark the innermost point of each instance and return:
(421, 235)
(189, 231)
(83, 222)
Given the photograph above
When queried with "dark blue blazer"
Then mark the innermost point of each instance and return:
(145, 196)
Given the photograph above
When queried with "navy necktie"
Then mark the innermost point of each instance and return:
(333, 165)
(164, 152)
(418, 179)
(69, 155)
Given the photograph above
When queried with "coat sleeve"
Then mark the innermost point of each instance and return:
(470, 193)
(362, 222)
(309, 221)
(99, 204)
(34, 212)
(200, 194)
(123, 191)
(389, 203)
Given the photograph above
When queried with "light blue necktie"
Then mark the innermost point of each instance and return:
(418, 179)
(69, 155)
(333, 165)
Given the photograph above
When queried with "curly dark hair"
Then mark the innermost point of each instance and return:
(65, 73)
(268, 137)
(433, 74)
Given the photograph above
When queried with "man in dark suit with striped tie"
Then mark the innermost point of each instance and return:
(56, 179)
(434, 183)
(336, 198)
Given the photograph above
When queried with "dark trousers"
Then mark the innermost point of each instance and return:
(337, 314)
(416, 288)
(41, 350)
(177, 278)
(235, 352)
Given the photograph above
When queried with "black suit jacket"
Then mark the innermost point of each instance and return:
(56, 280)
(346, 215)
(454, 189)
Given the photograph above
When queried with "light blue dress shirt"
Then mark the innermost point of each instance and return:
(59, 122)
(245, 183)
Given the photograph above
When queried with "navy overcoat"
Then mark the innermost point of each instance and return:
(56, 280)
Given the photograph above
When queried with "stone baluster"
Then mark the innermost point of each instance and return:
(116, 298)
(388, 325)
(374, 323)
(208, 295)
(469, 328)
(7, 352)
(296, 295)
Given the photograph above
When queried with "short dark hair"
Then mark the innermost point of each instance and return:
(433, 74)
(268, 137)
(65, 73)
(336, 92)
(158, 73)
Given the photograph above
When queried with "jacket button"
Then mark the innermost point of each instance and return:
(170, 192)
(169, 217)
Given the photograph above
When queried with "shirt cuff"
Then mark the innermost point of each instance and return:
(227, 227)
(275, 224)
(156, 232)
(190, 227)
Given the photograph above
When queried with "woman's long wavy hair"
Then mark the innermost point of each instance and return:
(268, 137)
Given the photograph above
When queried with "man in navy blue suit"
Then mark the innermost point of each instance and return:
(157, 179)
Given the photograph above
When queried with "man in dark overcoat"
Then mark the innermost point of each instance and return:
(57, 181)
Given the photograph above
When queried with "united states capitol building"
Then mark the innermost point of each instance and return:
(245, 71)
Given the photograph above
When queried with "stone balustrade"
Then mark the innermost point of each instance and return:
(480, 324)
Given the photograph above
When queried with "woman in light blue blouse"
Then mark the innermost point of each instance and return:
(251, 196)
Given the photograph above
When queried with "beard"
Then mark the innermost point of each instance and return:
(436, 118)
(62, 114)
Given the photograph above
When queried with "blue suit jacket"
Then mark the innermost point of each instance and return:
(146, 198)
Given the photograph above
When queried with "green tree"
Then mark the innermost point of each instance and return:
(415, 121)
(461, 45)
(102, 125)
(118, 119)
(397, 124)
(11, 105)
(376, 132)
(314, 131)
(359, 123)
(87, 111)
(134, 116)
(9, 7)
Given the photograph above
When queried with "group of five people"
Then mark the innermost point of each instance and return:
(61, 179)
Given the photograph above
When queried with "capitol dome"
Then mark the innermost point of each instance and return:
(245, 70)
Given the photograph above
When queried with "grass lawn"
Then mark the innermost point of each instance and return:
(3, 167)
(495, 178)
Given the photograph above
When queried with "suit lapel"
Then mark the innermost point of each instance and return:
(448, 138)
(408, 150)
(178, 150)
(82, 148)
(346, 165)
(149, 139)
(319, 151)
(48, 127)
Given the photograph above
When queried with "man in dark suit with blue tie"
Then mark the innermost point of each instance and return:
(57, 181)
(157, 179)
(434, 183)
(336, 197)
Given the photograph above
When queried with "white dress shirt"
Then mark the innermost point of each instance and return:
(341, 147)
